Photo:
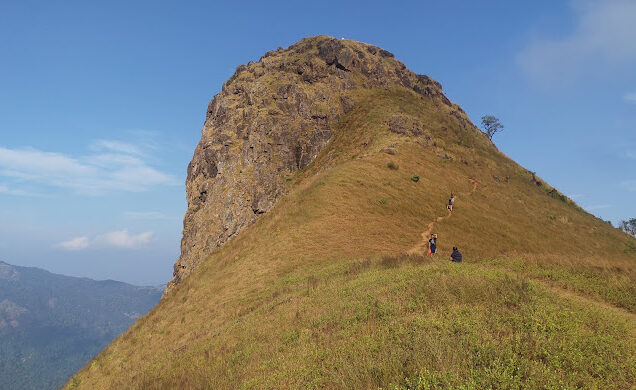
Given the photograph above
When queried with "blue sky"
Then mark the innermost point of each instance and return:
(102, 103)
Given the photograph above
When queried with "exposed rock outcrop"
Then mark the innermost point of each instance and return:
(271, 119)
(8, 272)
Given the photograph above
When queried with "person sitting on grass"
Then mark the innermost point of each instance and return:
(456, 256)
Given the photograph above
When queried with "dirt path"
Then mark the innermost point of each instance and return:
(565, 293)
(429, 228)
(573, 296)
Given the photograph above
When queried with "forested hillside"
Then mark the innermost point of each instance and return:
(50, 325)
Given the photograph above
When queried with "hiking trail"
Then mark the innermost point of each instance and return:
(574, 296)
(429, 227)
(565, 293)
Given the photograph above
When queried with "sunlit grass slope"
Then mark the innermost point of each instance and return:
(319, 294)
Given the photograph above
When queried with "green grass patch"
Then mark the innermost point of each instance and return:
(400, 323)
(611, 283)
(393, 166)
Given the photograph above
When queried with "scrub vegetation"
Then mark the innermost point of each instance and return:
(319, 293)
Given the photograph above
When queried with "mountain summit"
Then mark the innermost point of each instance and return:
(271, 119)
(321, 173)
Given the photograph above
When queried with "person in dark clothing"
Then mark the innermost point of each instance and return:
(456, 256)
(432, 244)
(451, 201)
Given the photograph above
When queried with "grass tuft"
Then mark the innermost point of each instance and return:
(392, 165)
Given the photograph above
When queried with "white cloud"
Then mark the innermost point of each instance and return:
(148, 138)
(117, 239)
(75, 244)
(630, 97)
(9, 191)
(122, 239)
(630, 185)
(605, 34)
(120, 168)
(115, 146)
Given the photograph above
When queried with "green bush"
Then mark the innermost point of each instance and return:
(557, 195)
(415, 178)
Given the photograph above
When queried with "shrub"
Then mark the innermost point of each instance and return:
(389, 261)
(397, 260)
(393, 166)
(415, 178)
(357, 267)
(312, 283)
(415, 258)
(557, 195)
(628, 226)
(382, 201)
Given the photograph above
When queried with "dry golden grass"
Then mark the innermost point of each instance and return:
(317, 293)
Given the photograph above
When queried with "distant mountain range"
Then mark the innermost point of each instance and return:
(51, 325)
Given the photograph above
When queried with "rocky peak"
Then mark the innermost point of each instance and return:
(272, 118)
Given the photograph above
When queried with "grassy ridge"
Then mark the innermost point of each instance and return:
(302, 298)
(365, 324)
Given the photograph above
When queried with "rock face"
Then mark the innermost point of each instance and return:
(7, 272)
(271, 119)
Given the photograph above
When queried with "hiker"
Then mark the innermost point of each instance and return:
(432, 245)
(456, 256)
(451, 200)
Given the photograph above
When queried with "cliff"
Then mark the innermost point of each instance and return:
(271, 119)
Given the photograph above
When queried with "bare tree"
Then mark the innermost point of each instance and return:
(628, 226)
(491, 125)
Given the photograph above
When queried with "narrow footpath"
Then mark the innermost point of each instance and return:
(429, 228)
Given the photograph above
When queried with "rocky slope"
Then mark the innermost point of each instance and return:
(272, 118)
(320, 169)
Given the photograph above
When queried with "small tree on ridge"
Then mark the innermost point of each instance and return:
(628, 226)
(491, 125)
